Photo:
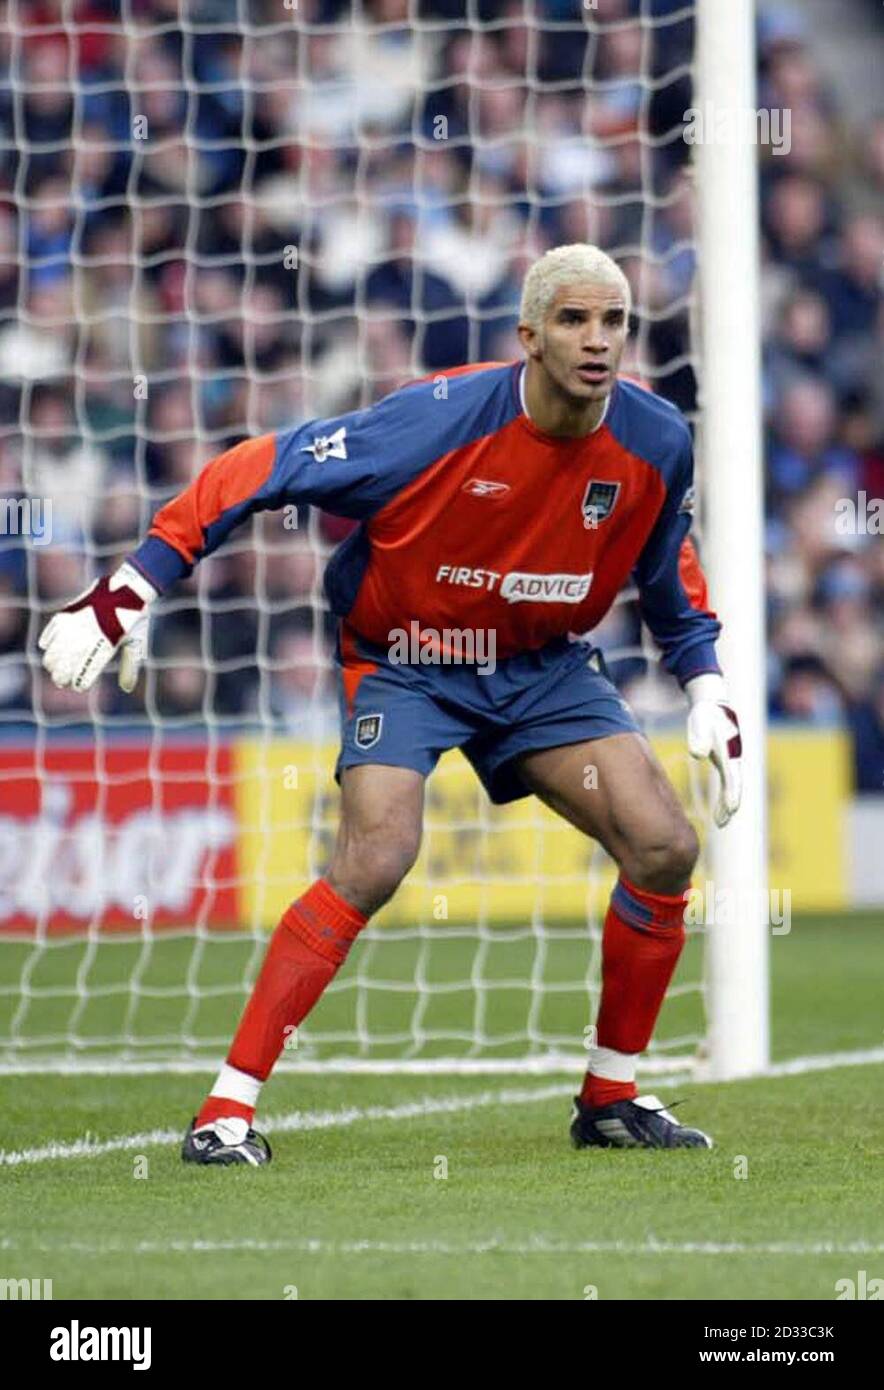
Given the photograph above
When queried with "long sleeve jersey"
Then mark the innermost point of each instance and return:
(473, 518)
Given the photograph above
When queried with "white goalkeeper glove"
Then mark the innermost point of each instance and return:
(79, 641)
(714, 733)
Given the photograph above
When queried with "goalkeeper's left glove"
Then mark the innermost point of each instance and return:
(714, 733)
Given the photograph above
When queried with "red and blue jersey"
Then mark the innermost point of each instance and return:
(472, 518)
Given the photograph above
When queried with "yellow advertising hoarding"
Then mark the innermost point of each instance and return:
(520, 863)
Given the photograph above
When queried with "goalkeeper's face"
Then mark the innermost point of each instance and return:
(582, 339)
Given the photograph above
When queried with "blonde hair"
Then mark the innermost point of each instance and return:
(567, 265)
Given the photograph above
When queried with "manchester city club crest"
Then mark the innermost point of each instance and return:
(598, 502)
(368, 730)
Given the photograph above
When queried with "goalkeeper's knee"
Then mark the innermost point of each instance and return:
(367, 867)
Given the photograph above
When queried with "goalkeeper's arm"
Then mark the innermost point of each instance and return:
(323, 462)
(674, 603)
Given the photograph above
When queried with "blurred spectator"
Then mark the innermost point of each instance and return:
(423, 301)
(40, 344)
(873, 154)
(60, 575)
(179, 670)
(119, 309)
(798, 220)
(851, 645)
(809, 693)
(854, 289)
(798, 346)
(49, 229)
(301, 697)
(48, 106)
(62, 468)
(867, 726)
(804, 446)
(14, 680)
(9, 261)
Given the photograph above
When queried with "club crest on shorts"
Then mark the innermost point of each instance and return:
(368, 730)
(598, 502)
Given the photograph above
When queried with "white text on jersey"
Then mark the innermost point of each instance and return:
(469, 578)
(519, 587)
(545, 588)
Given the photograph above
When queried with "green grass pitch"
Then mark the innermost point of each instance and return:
(354, 1205)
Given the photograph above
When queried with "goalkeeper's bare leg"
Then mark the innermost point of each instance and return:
(631, 809)
(378, 840)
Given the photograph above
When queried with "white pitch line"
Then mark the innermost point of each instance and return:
(799, 1066)
(89, 1146)
(548, 1064)
(92, 1147)
(536, 1245)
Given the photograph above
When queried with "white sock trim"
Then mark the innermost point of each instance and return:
(610, 1065)
(232, 1084)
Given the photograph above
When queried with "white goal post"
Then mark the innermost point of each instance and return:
(148, 846)
(731, 454)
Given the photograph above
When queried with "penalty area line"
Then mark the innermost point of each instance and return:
(535, 1245)
(90, 1146)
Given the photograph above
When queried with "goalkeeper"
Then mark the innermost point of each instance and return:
(508, 501)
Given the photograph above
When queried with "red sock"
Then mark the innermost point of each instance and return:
(598, 1090)
(642, 940)
(305, 952)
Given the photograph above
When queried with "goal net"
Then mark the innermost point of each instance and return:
(220, 219)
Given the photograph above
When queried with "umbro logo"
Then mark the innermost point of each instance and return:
(327, 446)
(479, 487)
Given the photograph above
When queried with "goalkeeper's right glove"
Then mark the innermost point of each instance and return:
(80, 640)
(714, 733)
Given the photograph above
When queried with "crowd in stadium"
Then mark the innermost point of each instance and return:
(203, 238)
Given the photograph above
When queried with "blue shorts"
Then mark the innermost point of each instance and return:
(409, 715)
